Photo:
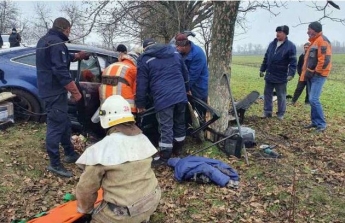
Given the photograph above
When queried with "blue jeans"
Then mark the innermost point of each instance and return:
(58, 128)
(268, 98)
(172, 125)
(315, 85)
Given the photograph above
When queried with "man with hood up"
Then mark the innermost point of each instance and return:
(120, 164)
(163, 75)
(14, 38)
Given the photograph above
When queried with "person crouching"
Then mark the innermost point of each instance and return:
(120, 164)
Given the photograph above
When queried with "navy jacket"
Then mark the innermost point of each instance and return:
(279, 62)
(217, 171)
(198, 72)
(52, 63)
(162, 75)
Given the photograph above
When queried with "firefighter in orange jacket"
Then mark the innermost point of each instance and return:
(120, 79)
(316, 68)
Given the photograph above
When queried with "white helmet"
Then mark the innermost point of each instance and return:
(115, 110)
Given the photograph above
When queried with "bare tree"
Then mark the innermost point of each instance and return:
(9, 14)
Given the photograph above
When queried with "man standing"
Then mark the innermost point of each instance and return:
(14, 38)
(163, 75)
(316, 68)
(301, 83)
(280, 66)
(195, 60)
(54, 81)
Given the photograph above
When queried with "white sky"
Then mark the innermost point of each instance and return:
(261, 24)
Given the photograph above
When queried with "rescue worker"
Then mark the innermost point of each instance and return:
(54, 81)
(14, 38)
(163, 75)
(120, 79)
(120, 164)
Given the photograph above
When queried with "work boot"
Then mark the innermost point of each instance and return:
(177, 149)
(71, 159)
(162, 159)
(310, 126)
(268, 115)
(320, 130)
(60, 170)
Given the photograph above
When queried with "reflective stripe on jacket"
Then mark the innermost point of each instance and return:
(317, 60)
(126, 87)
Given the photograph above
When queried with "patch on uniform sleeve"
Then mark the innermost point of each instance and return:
(323, 49)
(63, 57)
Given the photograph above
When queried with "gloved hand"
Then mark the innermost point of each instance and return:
(289, 78)
(262, 74)
(82, 55)
(71, 87)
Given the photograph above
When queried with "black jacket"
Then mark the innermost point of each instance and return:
(300, 64)
(52, 62)
(1, 42)
(14, 39)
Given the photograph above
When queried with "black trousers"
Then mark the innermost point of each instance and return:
(58, 128)
(299, 89)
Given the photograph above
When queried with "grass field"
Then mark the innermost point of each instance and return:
(306, 185)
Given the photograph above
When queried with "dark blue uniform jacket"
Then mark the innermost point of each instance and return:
(52, 63)
(279, 62)
(163, 75)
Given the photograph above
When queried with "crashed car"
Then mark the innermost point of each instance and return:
(18, 75)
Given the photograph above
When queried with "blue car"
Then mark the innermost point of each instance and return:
(18, 75)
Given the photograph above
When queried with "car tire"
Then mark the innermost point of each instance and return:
(26, 106)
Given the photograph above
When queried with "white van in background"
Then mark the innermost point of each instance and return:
(5, 38)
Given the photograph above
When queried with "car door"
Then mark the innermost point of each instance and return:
(88, 79)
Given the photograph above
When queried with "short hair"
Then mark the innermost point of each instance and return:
(61, 24)
(307, 44)
(121, 48)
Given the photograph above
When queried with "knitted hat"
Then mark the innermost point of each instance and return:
(316, 26)
(148, 42)
(181, 39)
(284, 29)
(121, 48)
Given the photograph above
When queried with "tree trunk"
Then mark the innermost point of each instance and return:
(223, 29)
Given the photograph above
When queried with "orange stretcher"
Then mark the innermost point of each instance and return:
(65, 213)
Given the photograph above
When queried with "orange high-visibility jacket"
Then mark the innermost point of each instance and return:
(317, 60)
(126, 74)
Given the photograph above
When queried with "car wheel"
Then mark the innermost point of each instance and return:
(25, 105)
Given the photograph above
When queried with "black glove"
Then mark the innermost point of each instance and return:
(262, 74)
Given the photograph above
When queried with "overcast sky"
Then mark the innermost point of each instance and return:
(261, 24)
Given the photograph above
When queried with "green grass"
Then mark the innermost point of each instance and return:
(265, 186)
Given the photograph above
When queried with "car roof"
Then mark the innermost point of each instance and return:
(70, 46)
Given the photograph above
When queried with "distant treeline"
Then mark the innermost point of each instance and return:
(258, 49)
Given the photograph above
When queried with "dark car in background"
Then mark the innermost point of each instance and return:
(18, 75)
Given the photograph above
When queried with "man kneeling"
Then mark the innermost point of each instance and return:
(120, 164)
